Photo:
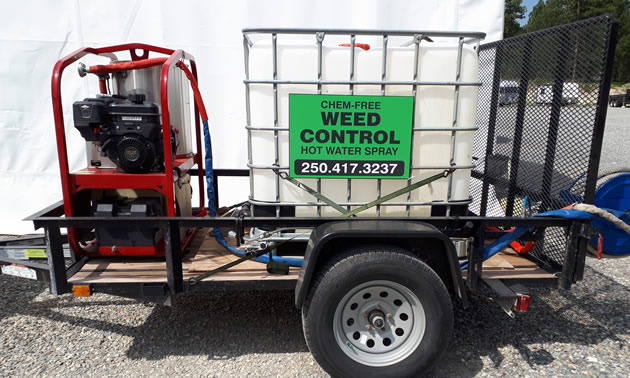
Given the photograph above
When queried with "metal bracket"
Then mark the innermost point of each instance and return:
(511, 299)
(586, 231)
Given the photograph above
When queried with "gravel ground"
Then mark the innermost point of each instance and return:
(584, 332)
(615, 151)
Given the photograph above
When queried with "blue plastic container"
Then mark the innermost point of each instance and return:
(614, 194)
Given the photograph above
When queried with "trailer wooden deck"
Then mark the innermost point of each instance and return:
(205, 255)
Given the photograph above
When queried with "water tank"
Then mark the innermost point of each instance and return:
(284, 66)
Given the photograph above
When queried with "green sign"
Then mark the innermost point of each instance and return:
(337, 136)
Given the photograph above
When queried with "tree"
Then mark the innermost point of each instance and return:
(514, 11)
(551, 13)
(547, 14)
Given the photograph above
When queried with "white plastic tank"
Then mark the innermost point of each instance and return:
(297, 60)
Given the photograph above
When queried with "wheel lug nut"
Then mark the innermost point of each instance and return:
(389, 316)
(365, 315)
(379, 308)
(369, 327)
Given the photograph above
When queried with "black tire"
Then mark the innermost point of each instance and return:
(362, 265)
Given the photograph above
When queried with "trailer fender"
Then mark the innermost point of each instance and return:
(373, 231)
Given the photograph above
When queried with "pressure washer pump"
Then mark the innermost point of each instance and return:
(139, 148)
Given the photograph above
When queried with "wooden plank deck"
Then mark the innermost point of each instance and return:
(206, 255)
(507, 264)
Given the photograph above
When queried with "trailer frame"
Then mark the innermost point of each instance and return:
(52, 221)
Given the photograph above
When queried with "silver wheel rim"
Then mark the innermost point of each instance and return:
(361, 308)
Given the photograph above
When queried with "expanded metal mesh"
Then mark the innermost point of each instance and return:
(538, 121)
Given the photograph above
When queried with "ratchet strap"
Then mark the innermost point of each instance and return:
(378, 201)
(273, 267)
(311, 191)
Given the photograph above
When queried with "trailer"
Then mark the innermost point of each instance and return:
(570, 93)
(376, 292)
(508, 92)
(619, 100)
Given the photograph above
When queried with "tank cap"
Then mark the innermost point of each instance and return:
(137, 98)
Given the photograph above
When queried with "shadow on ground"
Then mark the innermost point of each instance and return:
(559, 316)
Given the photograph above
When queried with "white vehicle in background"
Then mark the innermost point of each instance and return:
(570, 91)
(508, 92)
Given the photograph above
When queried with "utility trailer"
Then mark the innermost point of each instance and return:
(376, 292)
(619, 100)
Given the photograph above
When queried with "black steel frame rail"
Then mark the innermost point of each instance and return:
(52, 222)
(596, 144)
(520, 120)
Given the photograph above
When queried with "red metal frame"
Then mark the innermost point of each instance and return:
(90, 178)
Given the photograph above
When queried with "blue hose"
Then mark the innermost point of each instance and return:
(505, 240)
(213, 211)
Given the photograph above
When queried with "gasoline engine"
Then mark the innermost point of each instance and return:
(127, 130)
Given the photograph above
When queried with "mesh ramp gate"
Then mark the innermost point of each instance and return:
(550, 136)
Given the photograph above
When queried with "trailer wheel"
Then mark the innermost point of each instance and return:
(377, 311)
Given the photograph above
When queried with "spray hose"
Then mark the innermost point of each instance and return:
(577, 211)
(210, 181)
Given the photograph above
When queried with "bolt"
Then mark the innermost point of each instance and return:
(369, 327)
(379, 308)
(389, 316)
(365, 315)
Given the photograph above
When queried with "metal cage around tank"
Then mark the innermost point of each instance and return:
(415, 38)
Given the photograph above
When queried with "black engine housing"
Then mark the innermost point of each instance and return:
(128, 130)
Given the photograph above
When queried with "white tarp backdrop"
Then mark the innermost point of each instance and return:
(35, 34)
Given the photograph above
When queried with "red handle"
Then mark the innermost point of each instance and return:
(363, 46)
(126, 66)
(521, 249)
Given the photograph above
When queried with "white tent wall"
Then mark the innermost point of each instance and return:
(35, 34)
